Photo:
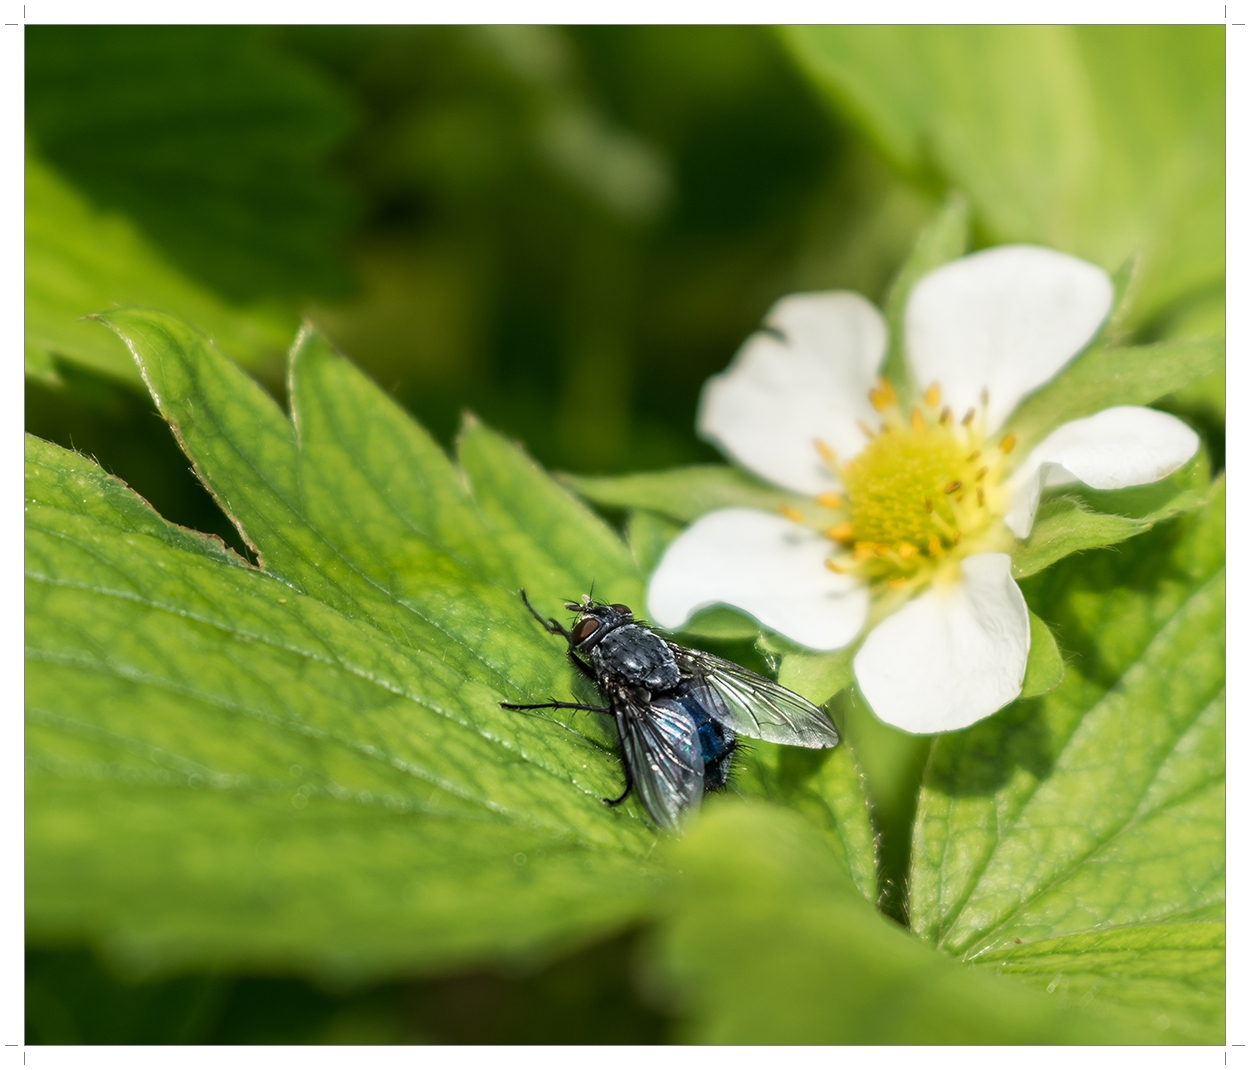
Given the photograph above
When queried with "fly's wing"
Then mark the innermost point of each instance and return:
(752, 704)
(662, 755)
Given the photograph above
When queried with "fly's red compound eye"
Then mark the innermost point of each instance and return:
(622, 609)
(584, 629)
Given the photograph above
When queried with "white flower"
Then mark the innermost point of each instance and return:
(925, 504)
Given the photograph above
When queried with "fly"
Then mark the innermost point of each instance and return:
(678, 711)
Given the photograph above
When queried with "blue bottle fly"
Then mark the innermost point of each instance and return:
(678, 711)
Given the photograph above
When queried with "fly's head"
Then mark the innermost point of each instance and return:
(595, 620)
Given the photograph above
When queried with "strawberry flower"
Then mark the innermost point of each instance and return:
(928, 499)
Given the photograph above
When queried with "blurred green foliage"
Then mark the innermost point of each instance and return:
(567, 231)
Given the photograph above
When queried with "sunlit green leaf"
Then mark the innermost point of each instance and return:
(1090, 822)
(768, 942)
(307, 766)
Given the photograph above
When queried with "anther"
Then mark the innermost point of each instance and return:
(981, 472)
(826, 452)
(865, 428)
(973, 456)
(1007, 443)
(790, 513)
(917, 420)
(882, 395)
(935, 546)
(945, 417)
(897, 583)
(933, 396)
(928, 505)
(985, 397)
(956, 537)
(906, 550)
(841, 532)
(952, 486)
(969, 416)
(833, 566)
(830, 500)
(863, 550)
(981, 497)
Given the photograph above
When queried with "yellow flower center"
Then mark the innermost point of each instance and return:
(924, 492)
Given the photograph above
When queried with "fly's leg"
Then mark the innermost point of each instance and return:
(629, 786)
(553, 705)
(549, 623)
(582, 667)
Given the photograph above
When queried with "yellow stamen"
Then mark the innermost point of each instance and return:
(917, 421)
(969, 416)
(945, 416)
(952, 486)
(933, 396)
(865, 428)
(882, 396)
(1007, 443)
(981, 472)
(830, 500)
(981, 497)
(935, 546)
(863, 551)
(826, 452)
(833, 566)
(906, 550)
(791, 513)
(841, 532)
(897, 583)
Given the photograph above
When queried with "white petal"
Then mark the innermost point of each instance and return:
(951, 656)
(1004, 320)
(1120, 447)
(780, 394)
(765, 565)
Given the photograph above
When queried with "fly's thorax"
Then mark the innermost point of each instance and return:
(638, 656)
(926, 490)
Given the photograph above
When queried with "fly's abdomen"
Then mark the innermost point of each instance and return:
(717, 743)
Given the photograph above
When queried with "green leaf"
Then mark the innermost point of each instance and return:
(1065, 526)
(1104, 141)
(684, 494)
(1044, 670)
(1171, 976)
(80, 260)
(1088, 519)
(818, 676)
(1079, 837)
(306, 767)
(1099, 378)
(209, 139)
(943, 240)
(648, 535)
(809, 961)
